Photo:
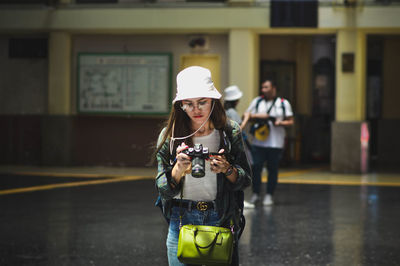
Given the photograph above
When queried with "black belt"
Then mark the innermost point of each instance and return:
(198, 205)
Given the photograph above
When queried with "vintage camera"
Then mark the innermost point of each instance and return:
(199, 154)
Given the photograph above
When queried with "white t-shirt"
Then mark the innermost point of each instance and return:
(203, 188)
(276, 138)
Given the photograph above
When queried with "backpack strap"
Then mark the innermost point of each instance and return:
(283, 108)
(272, 105)
(270, 108)
(258, 103)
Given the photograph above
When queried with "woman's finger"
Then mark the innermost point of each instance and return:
(181, 147)
(183, 158)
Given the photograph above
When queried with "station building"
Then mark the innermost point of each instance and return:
(337, 62)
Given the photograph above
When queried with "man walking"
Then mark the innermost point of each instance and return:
(270, 114)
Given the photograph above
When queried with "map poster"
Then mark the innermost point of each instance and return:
(124, 83)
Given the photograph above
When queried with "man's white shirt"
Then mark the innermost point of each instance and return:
(276, 138)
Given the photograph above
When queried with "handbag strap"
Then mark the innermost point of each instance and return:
(180, 204)
(208, 244)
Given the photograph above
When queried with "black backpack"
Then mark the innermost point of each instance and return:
(238, 195)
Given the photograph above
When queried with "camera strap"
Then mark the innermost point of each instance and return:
(171, 143)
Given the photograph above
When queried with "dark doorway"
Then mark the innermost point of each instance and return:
(374, 93)
(284, 74)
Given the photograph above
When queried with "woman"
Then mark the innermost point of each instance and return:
(198, 117)
(231, 100)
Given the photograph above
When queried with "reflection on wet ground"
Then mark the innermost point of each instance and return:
(116, 223)
(325, 225)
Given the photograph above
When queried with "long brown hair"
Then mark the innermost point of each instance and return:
(180, 121)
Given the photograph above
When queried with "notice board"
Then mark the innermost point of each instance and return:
(124, 83)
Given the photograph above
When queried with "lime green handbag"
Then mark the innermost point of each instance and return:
(202, 244)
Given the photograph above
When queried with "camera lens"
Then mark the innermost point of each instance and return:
(198, 164)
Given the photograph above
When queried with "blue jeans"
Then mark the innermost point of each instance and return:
(261, 155)
(194, 216)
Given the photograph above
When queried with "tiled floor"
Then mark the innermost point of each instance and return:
(106, 216)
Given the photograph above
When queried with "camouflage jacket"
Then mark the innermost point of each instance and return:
(229, 195)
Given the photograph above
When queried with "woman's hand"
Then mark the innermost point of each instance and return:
(183, 163)
(219, 164)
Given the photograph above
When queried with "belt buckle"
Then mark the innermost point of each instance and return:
(202, 206)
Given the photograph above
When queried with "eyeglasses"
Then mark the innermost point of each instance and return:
(201, 105)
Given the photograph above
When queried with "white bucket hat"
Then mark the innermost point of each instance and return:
(195, 82)
(233, 93)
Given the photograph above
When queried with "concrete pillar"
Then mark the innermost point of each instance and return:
(59, 98)
(57, 125)
(346, 142)
(243, 65)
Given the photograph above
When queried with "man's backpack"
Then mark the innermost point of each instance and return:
(260, 129)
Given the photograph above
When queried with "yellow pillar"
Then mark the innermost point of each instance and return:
(59, 96)
(243, 65)
(350, 86)
(348, 153)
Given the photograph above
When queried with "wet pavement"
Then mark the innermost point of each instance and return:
(116, 223)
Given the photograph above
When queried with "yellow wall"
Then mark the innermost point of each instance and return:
(174, 19)
(210, 61)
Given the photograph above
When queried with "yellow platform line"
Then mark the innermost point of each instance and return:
(72, 184)
(74, 175)
(302, 172)
(342, 183)
(285, 178)
(295, 173)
